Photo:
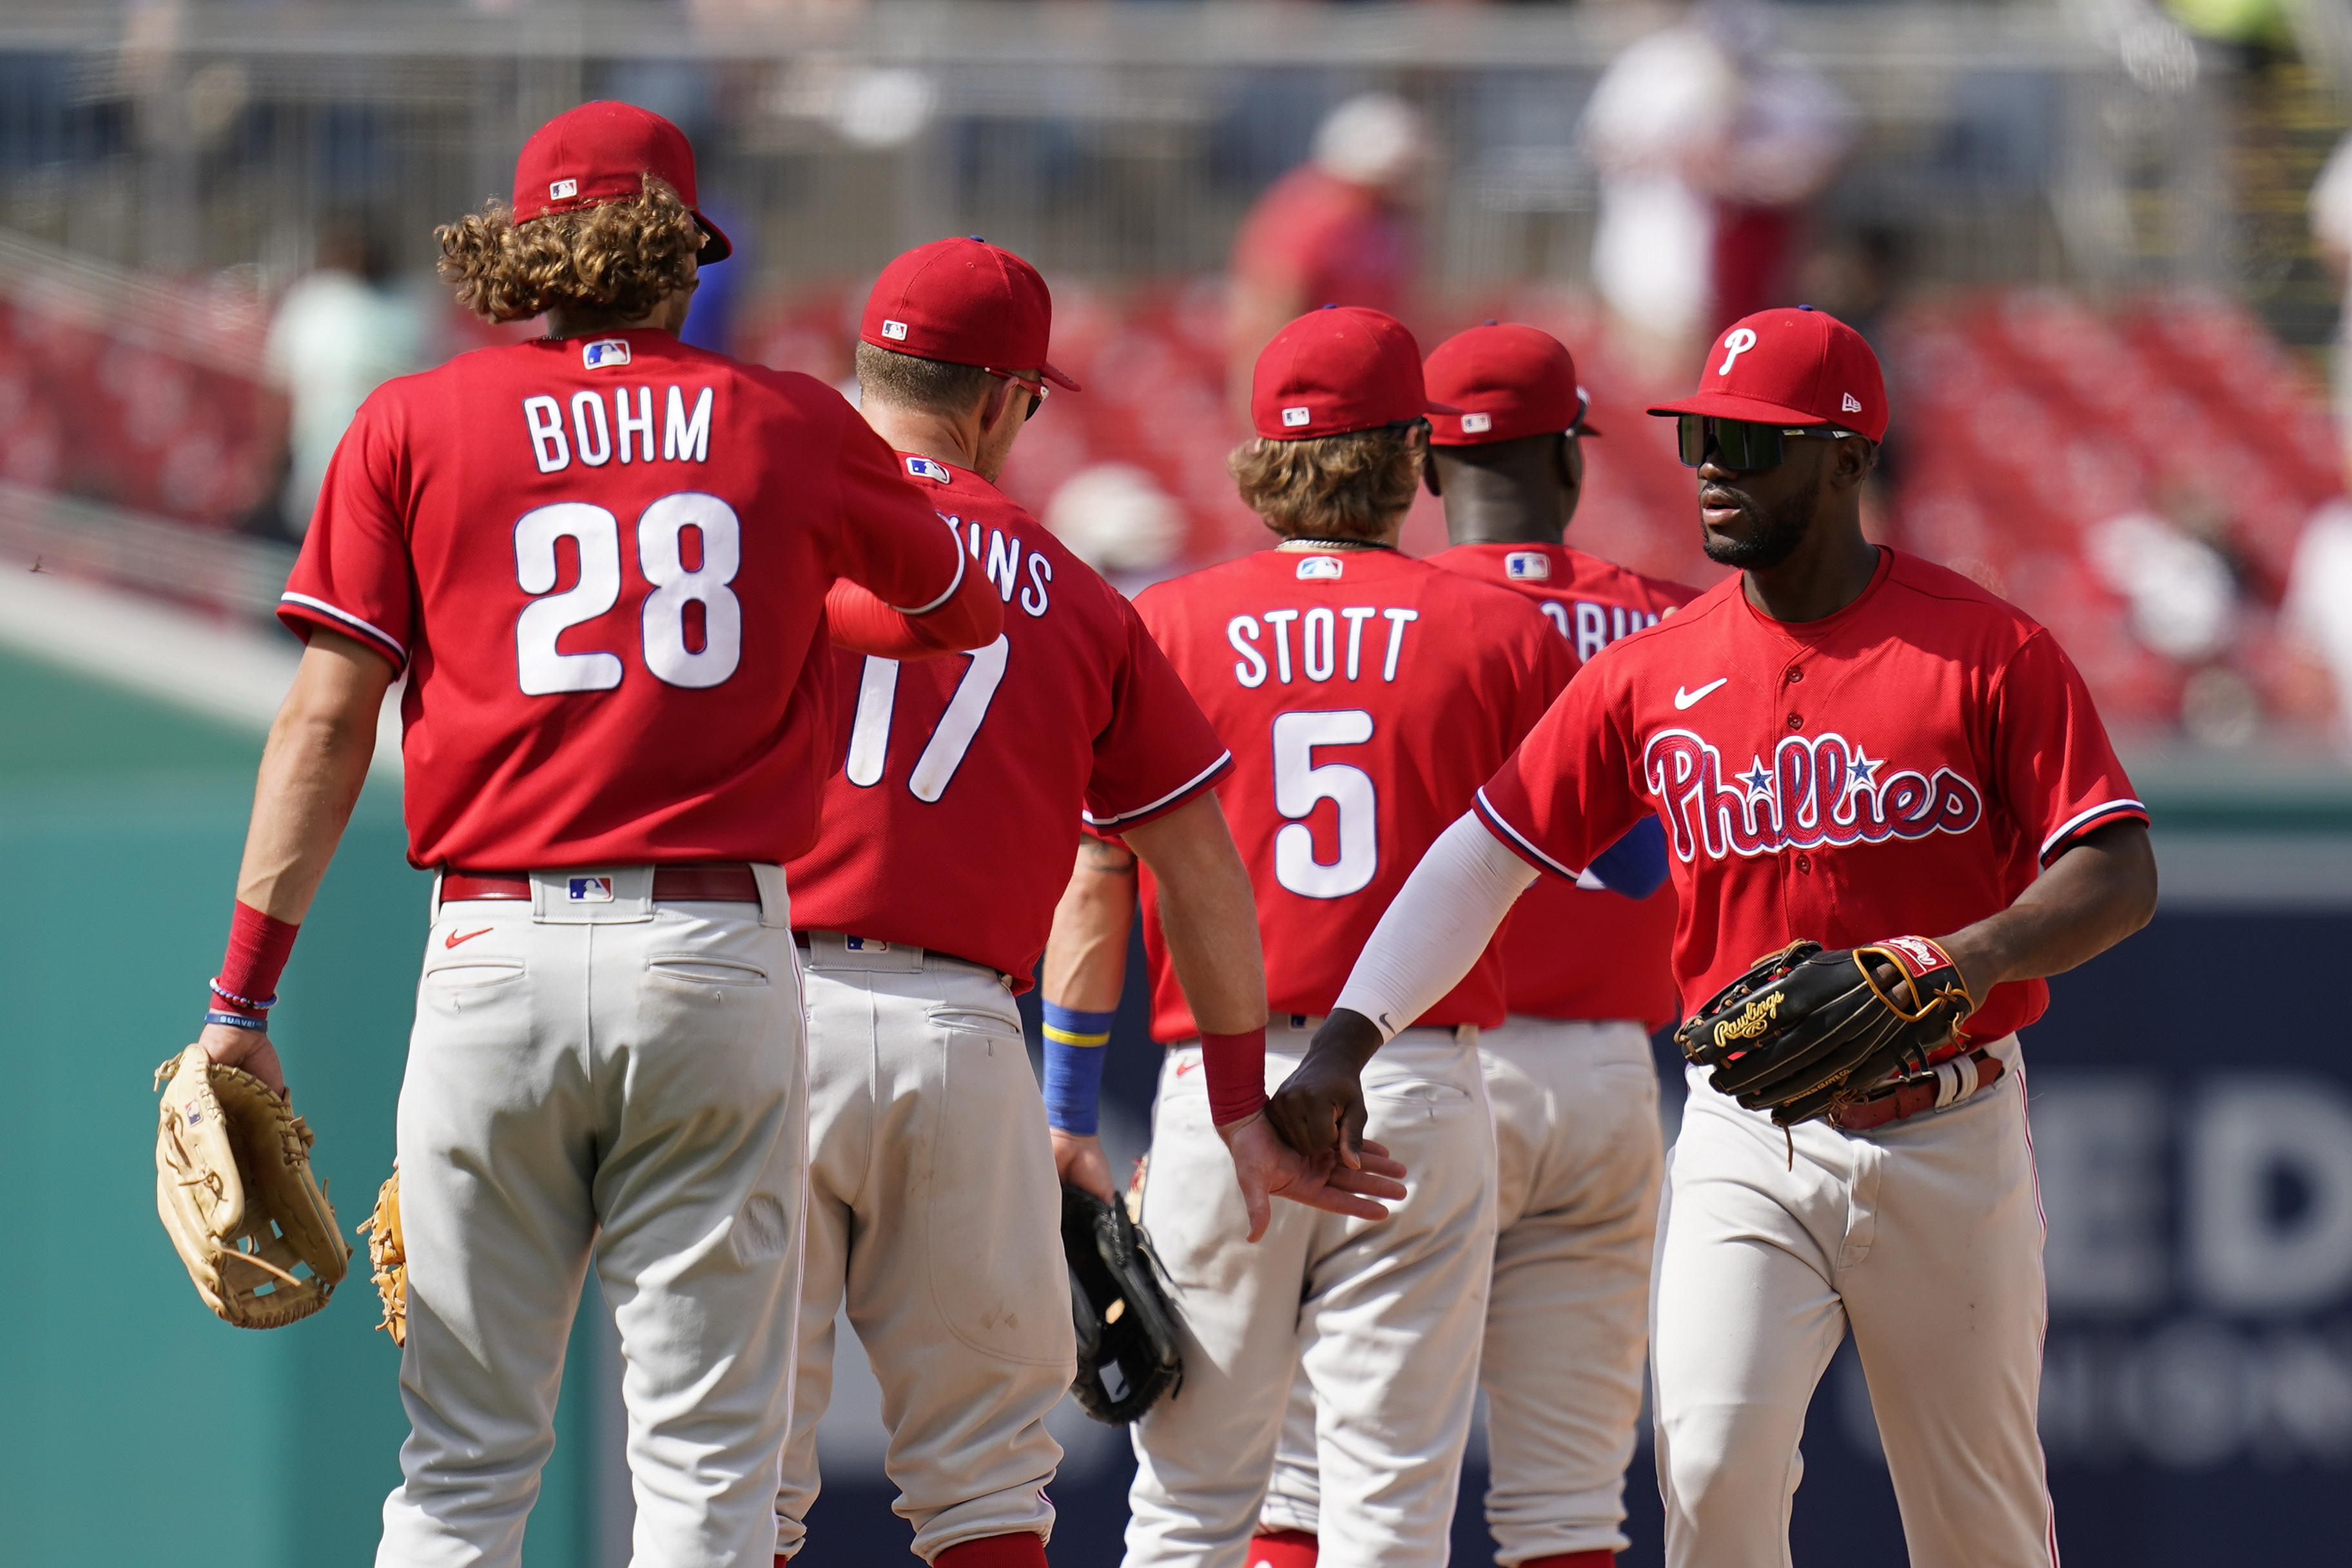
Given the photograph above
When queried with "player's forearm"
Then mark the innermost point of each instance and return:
(312, 769)
(1207, 914)
(1439, 923)
(857, 621)
(2092, 897)
(1086, 958)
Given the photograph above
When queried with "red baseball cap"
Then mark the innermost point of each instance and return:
(600, 154)
(1337, 370)
(963, 302)
(1504, 381)
(1791, 367)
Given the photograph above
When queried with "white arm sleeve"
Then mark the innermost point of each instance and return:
(1442, 920)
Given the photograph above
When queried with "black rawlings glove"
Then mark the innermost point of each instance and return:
(1127, 1353)
(1807, 1030)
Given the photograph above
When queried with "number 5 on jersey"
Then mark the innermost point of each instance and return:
(544, 671)
(878, 694)
(1300, 783)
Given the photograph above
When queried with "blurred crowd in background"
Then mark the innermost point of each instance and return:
(2103, 246)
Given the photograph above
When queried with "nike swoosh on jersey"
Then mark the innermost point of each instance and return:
(1683, 699)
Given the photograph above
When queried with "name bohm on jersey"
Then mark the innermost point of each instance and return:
(1819, 790)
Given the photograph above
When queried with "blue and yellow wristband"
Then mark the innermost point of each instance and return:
(1074, 1066)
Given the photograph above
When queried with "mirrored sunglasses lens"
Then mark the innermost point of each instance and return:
(1690, 436)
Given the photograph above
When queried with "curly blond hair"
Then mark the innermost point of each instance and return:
(622, 257)
(1352, 486)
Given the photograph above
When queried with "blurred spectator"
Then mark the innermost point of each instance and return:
(2331, 225)
(2318, 607)
(2174, 567)
(1710, 157)
(1338, 230)
(341, 331)
(1117, 519)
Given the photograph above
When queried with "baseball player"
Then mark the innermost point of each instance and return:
(1362, 694)
(1847, 744)
(933, 1202)
(601, 559)
(1569, 1074)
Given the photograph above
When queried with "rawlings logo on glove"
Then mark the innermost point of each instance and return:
(1808, 1031)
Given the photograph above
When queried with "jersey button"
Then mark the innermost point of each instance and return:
(1796, 721)
(1796, 675)
(1805, 864)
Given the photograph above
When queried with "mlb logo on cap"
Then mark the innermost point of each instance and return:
(924, 468)
(1527, 566)
(604, 354)
(895, 330)
(589, 890)
(1294, 417)
(563, 190)
(1477, 424)
(1320, 567)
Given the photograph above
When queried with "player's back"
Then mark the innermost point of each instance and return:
(951, 823)
(620, 548)
(1572, 952)
(1363, 695)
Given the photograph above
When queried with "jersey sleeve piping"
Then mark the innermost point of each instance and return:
(2124, 809)
(310, 608)
(1166, 803)
(1516, 841)
(945, 594)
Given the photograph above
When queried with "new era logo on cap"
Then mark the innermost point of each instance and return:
(604, 354)
(1292, 418)
(1849, 403)
(563, 190)
(895, 330)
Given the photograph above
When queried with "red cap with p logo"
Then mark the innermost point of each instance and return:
(1791, 367)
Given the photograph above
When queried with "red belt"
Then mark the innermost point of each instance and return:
(1901, 1100)
(723, 881)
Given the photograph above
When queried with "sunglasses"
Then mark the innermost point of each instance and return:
(1038, 391)
(1741, 443)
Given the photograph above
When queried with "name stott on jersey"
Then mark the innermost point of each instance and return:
(1364, 696)
(1904, 766)
(1572, 952)
(952, 822)
(592, 554)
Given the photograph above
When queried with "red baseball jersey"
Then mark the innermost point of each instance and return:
(603, 564)
(1905, 766)
(1364, 696)
(1572, 952)
(1332, 242)
(954, 817)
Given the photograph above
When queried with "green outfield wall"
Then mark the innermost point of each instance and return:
(135, 1426)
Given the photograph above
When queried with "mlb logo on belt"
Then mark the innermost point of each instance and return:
(860, 944)
(1526, 565)
(604, 354)
(924, 468)
(590, 890)
(1324, 567)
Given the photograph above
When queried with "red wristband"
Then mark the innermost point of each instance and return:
(1235, 1065)
(259, 946)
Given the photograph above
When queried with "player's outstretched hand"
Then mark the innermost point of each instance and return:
(1079, 1161)
(1269, 1168)
(247, 1048)
(1319, 1109)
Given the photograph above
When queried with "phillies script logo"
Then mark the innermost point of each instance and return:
(1821, 790)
